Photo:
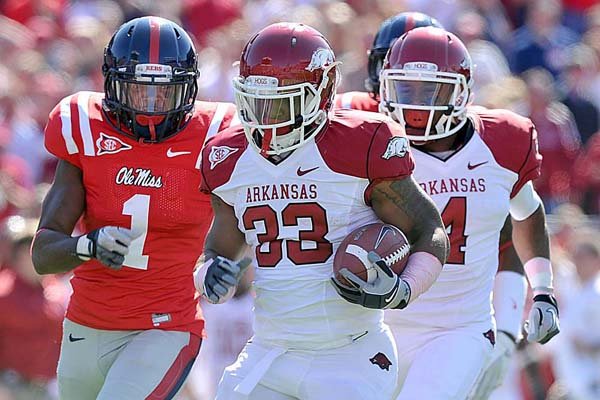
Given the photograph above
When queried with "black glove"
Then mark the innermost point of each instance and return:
(388, 290)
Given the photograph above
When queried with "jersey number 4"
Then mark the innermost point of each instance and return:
(311, 221)
(455, 218)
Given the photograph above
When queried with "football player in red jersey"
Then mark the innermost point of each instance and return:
(389, 30)
(129, 163)
(477, 165)
(292, 182)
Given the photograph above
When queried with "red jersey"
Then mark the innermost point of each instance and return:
(152, 188)
(356, 101)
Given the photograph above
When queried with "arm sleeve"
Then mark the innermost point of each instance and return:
(524, 203)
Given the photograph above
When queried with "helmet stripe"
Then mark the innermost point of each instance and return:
(154, 40)
(85, 129)
(66, 130)
(410, 22)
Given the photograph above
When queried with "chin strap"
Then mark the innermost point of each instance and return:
(150, 122)
(266, 142)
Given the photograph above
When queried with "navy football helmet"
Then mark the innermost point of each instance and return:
(390, 30)
(150, 71)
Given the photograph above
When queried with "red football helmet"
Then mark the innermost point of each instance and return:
(426, 83)
(285, 87)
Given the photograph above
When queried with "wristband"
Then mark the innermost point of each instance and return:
(525, 203)
(421, 272)
(84, 248)
(200, 274)
(539, 274)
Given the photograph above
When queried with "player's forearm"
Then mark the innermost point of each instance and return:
(530, 236)
(223, 238)
(403, 204)
(432, 240)
(216, 244)
(53, 252)
(508, 260)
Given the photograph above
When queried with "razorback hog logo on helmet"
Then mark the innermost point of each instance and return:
(397, 147)
(110, 145)
(218, 154)
(321, 58)
(381, 361)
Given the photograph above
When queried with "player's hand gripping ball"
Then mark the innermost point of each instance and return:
(385, 240)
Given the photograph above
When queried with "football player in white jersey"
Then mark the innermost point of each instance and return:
(510, 285)
(477, 166)
(292, 182)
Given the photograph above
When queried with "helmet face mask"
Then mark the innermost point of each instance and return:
(426, 84)
(281, 113)
(150, 93)
(283, 103)
(427, 104)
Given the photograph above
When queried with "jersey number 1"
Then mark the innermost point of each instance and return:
(138, 207)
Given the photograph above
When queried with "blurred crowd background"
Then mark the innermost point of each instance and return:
(540, 58)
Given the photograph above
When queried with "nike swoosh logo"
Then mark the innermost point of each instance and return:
(75, 339)
(392, 295)
(306, 171)
(171, 153)
(382, 234)
(476, 165)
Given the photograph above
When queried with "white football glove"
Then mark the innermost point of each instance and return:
(496, 368)
(542, 324)
(222, 277)
(109, 245)
(388, 290)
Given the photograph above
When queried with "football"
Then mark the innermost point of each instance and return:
(386, 240)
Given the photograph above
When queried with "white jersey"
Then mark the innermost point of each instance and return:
(296, 213)
(472, 190)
